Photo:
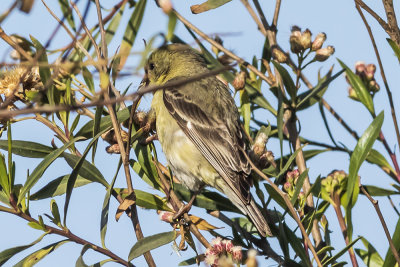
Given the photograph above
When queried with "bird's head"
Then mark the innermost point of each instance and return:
(171, 61)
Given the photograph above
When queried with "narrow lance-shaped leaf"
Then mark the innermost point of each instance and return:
(299, 186)
(151, 242)
(40, 169)
(207, 5)
(72, 178)
(358, 156)
(131, 31)
(5, 255)
(287, 80)
(57, 187)
(27, 149)
(360, 88)
(105, 209)
(67, 13)
(340, 253)
(44, 71)
(370, 256)
(38, 255)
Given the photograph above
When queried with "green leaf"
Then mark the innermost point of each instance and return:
(4, 183)
(299, 186)
(379, 192)
(395, 48)
(150, 201)
(5, 255)
(390, 260)
(57, 187)
(172, 19)
(55, 212)
(87, 130)
(309, 98)
(188, 262)
(297, 245)
(106, 207)
(377, 158)
(81, 263)
(67, 13)
(44, 70)
(76, 170)
(151, 242)
(114, 24)
(41, 168)
(207, 5)
(370, 256)
(131, 30)
(360, 88)
(206, 199)
(140, 171)
(38, 255)
(88, 77)
(275, 196)
(27, 149)
(359, 154)
(287, 80)
(245, 110)
(340, 253)
(87, 170)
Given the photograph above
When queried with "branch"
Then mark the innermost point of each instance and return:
(378, 211)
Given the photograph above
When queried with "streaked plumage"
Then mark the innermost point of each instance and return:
(199, 130)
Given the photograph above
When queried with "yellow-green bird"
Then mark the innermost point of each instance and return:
(199, 129)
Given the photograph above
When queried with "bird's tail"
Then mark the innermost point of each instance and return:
(257, 218)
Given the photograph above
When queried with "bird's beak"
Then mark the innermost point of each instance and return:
(144, 82)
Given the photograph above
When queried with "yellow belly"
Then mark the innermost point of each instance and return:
(185, 160)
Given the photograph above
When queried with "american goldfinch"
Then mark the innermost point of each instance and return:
(199, 129)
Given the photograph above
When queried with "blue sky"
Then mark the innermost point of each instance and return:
(345, 31)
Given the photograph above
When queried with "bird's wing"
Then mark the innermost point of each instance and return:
(202, 114)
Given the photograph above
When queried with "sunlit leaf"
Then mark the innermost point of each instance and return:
(395, 47)
(207, 5)
(151, 242)
(5, 255)
(27, 149)
(370, 256)
(360, 88)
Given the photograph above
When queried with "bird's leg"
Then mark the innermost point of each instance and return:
(186, 208)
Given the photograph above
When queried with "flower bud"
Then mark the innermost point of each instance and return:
(166, 216)
(239, 81)
(227, 245)
(217, 245)
(218, 40)
(370, 71)
(374, 86)
(165, 5)
(352, 94)
(360, 68)
(324, 53)
(237, 254)
(279, 55)
(305, 39)
(295, 40)
(113, 149)
(318, 41)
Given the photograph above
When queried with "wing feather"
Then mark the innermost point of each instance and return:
(215, 132)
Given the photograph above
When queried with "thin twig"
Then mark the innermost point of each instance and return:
(68, 234)
(5, 114)
(383, 23)
(378, 57)
(393, 31)
(276, 14)
(343, 227)
(378, 211)
(254, 16)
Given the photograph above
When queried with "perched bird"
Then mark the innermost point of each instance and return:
(199, 130)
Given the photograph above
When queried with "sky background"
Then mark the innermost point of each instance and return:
(345, 31)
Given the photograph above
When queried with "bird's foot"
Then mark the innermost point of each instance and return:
(185, 208)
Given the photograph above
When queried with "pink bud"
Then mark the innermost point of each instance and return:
(237, 253)
(324, 53)
(166, 216)
(217, 244)
(319, 41)
(227, 245)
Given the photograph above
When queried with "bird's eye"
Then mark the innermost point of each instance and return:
(151, 66)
